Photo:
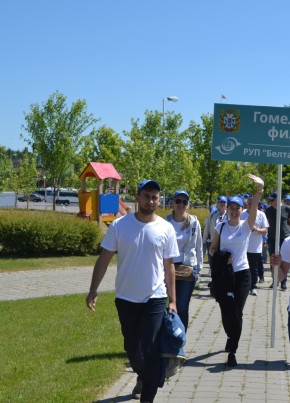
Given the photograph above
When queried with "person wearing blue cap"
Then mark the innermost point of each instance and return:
(216, 216)
(189, 239)
(245, 198)
(287, 200)
(254, 252)
(146, 245)
(271, 214)
(233, 237)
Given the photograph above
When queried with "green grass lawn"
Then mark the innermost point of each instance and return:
(17, 264)
(55, 350)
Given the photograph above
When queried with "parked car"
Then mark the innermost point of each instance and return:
(33, 197)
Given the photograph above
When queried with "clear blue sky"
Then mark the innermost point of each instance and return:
(125, 56)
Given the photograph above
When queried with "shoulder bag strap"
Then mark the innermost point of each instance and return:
(219, 245)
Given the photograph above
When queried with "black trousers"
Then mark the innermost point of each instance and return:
(141, 329)
(271, 247)
(254, 260)
(232, 308)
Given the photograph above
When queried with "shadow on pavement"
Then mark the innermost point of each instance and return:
(125, 398)
(258, 365)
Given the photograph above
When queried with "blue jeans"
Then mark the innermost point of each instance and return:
(184, 291)
(141, 329)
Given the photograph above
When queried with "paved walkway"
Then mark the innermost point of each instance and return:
(262, 374)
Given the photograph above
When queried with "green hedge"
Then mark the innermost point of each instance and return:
(36, 233)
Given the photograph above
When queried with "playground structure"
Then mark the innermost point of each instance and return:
(95, 205)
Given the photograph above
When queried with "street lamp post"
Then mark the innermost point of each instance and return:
(173, 99)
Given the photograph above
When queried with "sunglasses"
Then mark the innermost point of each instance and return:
(179, 201)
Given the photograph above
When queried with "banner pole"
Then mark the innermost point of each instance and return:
(277, 248)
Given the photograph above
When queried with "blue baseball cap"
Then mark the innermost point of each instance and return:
(222, 199)
(147, 183)
(287, 197)
(246, 195)
(236, 199)
(265, 205)
(272, 196)
(181, 192)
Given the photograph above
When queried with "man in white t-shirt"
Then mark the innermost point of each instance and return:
(255, 245)
(146, 245)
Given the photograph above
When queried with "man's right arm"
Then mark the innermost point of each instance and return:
(100, 269)
(283, 267)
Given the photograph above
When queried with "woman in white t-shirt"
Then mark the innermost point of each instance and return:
(234, 239)
(189, 240)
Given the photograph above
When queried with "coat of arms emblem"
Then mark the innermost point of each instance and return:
(229, 121)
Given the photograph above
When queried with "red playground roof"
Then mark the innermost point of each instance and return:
(101, 170)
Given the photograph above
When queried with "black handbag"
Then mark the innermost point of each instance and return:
(222, 273)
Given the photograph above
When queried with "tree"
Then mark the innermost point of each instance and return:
(159, 152)
(26, 176)
(6, 168)
(223, 177)
(210, 173)
(55, 131)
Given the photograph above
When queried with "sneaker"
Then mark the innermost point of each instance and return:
(261, 280)
(271, 286)
(254, 292)
(136, 392)
(283, 287)
(232, 362)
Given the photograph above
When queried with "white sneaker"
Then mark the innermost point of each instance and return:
(254, 292)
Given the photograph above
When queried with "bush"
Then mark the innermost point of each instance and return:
(37, 233)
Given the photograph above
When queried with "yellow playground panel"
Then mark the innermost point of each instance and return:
(96, 205)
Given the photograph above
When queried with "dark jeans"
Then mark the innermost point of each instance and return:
(141, 326)
(208, 244)
(232, 308)
(184, 291)
(271, 246)
(254, 259)
(265, 253)
(261, 268)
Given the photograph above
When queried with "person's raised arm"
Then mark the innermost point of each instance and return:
(100, 269)
(254, 205)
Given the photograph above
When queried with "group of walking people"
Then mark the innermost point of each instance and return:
(150, 249)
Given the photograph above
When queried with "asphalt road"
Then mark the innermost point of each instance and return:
(72, 208)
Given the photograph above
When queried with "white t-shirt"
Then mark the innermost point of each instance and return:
(256, 240)
(285, 256)
(235, 239)
(141, 249)
(182, 236)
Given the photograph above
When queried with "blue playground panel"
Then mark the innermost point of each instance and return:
(109, 203)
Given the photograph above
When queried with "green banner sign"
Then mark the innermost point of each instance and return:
(251, 134)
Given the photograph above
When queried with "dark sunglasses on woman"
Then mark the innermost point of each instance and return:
(179, 201)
